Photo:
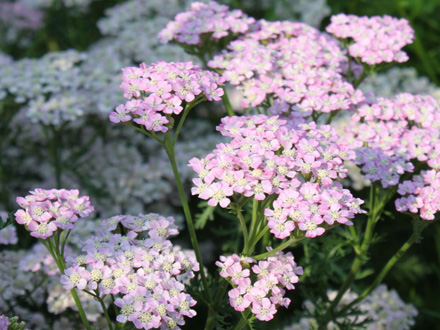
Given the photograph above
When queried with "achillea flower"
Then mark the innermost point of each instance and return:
(291, 68)
(376, 39)
(157, 91)
(299, 166)
(261, 285)
(204, 22)
(46, 211)
(143, 268)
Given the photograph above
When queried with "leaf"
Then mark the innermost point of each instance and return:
(202, 218)
(365, 273)
(9, 221)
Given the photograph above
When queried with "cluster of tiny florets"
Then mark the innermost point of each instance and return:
(374, 39)
(142, 268)
(393, 135)
(420, 195)
(158, 91)
(260, 286)
(205, 21)
(46, 211)
(288, 67)
(265, 158)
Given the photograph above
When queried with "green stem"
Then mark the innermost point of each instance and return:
(280, 247)
(143, 131)
(227, 103)
(361, 78)
(64, 241)
(104, 309)
(188, 107)
(252, 231)
(396, 257)
(243, 321)
(61, 266)
(244, 228)
(169, 148)
(359, 259)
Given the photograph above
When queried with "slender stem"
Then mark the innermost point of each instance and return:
(188, 107)
(243, 321)
(80, 309)
(278, 248)
(360, 256)
(361, 78)
(253, 224)
(171, 156)
(227, 103)
(142, 130)
(244, 228)
(104, 309)
(64, 241)
(396, 257)
(61, 266)
(258, 237)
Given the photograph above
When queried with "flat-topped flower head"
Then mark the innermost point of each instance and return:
(389, 135)
(142, 267)
(260, 285)
(373, 40)
(46, 211)
(291, 68)
(298, 166)
(156, 92)
(205, 22)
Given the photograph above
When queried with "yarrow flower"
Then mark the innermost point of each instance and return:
(389, 137)
(260, 286)
(142, 268)
(205, 22)
(374, 39)
(298, 166)
(158, 91)
(46, 211)
(291, 68)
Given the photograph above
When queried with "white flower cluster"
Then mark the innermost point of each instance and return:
(71, 4)
(382, 309)
(399, 80)
(133, 26)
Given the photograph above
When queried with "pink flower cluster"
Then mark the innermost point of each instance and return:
(46, 211)
(142, 268)
(421, 194)
(290, 67)
(374, 39)
(267, 157)
(157, 91)
(378, 150)
(390, 133)
(416, 110)
(260, 286)
(203, 22)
